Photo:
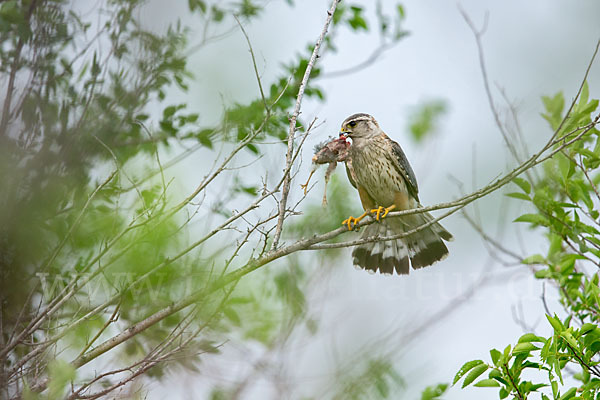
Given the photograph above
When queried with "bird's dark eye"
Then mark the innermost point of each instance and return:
(352, 124)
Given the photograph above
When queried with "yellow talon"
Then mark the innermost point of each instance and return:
(379, 210)
(351, 222)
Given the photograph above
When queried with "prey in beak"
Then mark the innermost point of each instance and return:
(331, 152)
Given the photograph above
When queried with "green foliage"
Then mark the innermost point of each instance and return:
(434, 392)
(378, 379)
(425, 118)
(563, 202)
(61, 374)
(352, 15)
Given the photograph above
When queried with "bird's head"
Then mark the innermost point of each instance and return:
(360, 126)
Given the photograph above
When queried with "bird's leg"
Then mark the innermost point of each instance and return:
(305, 186)
(351, 222)
(380, 212)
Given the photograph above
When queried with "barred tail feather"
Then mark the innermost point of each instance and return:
(426, 246)
(382, 256)
(423, 248)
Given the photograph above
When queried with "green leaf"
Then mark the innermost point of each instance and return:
(465, 368)
(11, 13)
(232, 316)
(503, 393)
(533, 219)
(506, 353)
(537, 386)
(495, 374)
(208, 347)
(569, 394)
(425, 118)
(523, 184)
(587, 328)
(555, 322)
(169, 111)
(557, 370)
(217, 14)
(565, 165)
(487, 383)
(585, 93)
(534, 259)
(474, 374)
(95, 66)
(543, 274)
(193, 4)
(400, 10)
(204, 137)
(518, 195)
(357, 22)
(248, 9)
(495, 354)
(524, 348)
(530, 337)
(570, 339)
(252, 148)
(434, 392)
(554, 107)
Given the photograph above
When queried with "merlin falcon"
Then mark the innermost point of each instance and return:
(379, 170)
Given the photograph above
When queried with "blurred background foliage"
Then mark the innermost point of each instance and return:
(95, 236)
(424, 119)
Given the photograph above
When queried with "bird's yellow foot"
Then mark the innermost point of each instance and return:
(305, 186)
(351, 222)
(381, 212)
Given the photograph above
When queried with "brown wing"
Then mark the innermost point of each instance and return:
(403, 166)
(350, 172)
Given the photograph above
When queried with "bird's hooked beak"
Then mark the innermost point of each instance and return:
(344, 133)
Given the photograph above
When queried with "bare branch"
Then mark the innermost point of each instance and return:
(15, 66)
(370, 60)
(292, 132)
(262, 93)
(478, 33)
(77, 220)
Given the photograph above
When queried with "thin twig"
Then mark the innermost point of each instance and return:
(15, 66)
(113, 318)
(262, 93)
(292, 132)
(478, 33)
(371, 59)
(489, 239)
(77, 220)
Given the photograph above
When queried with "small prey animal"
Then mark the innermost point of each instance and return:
(330, 152)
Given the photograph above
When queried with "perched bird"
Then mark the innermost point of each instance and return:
(385, 181)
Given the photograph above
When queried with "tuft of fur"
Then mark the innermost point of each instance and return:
(422, 248)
